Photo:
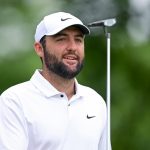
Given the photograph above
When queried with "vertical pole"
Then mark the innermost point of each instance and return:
(108, 93)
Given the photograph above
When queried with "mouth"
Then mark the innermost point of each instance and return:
(70, 59)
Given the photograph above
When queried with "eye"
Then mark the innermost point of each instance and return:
(79, 40)
(60, 39)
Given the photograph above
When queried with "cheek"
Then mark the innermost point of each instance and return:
(52, 49)
(81, 52)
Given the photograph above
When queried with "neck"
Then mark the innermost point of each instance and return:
(66, 86)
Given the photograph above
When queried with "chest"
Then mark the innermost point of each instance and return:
(55, 121)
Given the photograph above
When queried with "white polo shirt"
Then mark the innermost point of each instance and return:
(36, 116)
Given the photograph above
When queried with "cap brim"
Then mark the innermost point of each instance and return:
(83, 28)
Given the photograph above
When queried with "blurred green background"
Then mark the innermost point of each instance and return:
(130, 57)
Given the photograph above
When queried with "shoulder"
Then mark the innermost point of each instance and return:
(91, 95)
(14, 97)
(89, 91)
(16, 89)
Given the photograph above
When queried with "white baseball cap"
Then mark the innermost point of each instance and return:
(54, 23)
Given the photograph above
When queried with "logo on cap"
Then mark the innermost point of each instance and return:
(89, 117)
(64, 19)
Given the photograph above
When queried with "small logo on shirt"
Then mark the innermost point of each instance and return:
(89, 117)
(64, 19)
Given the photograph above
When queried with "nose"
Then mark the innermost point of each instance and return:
(72, 45)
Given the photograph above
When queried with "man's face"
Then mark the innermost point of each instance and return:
(64, 52)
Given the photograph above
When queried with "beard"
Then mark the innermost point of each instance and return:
(59, 68)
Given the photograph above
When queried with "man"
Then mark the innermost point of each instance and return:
(52, 111)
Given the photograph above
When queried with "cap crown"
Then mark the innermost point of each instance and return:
(56, 22)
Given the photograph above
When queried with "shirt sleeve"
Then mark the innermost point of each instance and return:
(13, 129)
(103, 141)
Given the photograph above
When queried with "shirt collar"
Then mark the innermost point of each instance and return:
(43, 85)
(47, 89)
(78, 89)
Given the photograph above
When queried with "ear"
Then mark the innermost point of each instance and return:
(38, 49)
